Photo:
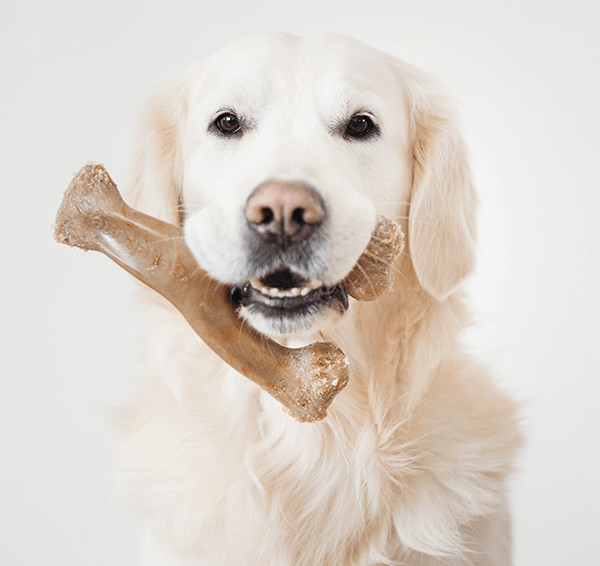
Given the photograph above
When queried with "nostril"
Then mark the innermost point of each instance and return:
(267, 216)
(298, 216)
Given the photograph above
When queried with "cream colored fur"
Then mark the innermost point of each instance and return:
(411, 464)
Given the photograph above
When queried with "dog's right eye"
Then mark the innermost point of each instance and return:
(228, 124)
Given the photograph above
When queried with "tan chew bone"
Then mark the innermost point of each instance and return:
(373, 273)
(93, 216)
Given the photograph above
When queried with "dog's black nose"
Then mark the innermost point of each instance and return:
(287, 213)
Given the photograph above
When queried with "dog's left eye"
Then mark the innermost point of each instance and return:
(228, 124)
(360, 126)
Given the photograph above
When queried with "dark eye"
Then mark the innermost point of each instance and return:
(360, 126)
(228, 124)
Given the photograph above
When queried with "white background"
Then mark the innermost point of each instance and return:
(72, 76)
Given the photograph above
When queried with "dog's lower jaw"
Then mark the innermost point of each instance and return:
(301, 329)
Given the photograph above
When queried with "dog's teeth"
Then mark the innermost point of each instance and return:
(257, 284)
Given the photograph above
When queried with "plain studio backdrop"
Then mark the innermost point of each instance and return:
(526, 74)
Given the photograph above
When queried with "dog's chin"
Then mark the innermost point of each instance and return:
(283, 303)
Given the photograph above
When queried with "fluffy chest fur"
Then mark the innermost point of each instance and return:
(405, 467)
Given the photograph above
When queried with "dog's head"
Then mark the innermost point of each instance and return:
(277, 154)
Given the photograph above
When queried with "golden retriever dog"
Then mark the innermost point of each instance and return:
(276, 155)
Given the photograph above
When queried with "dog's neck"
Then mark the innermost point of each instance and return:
(402, 337)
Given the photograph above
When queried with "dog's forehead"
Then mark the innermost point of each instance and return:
(319, 66)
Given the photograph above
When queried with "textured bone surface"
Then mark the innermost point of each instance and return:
(373, 274)
(93, 216)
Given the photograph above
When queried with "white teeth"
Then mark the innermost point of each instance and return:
(257, 284)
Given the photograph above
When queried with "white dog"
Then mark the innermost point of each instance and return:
(276, 155)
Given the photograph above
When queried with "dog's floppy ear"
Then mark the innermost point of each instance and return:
(443, 201)
(155, 176)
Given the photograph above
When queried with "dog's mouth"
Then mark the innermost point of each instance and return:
(285, 298)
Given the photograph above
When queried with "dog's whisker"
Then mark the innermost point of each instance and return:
(184, 207)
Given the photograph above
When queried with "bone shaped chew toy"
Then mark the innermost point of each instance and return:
(93, 216)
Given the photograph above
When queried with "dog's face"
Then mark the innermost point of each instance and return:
(291, 150)
(281, 151)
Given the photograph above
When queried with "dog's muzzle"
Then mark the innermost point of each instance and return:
(285, 222)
